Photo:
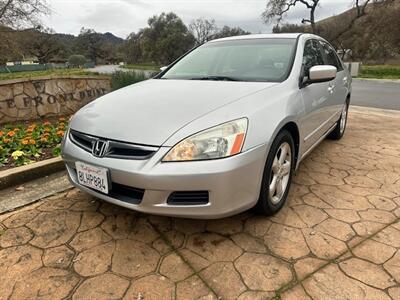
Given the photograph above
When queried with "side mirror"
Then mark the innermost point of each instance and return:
(162, 69)
(321, 74)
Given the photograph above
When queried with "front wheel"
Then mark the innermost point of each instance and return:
(340, 128)
(277, 175)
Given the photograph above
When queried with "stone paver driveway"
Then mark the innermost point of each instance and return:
(338, 237)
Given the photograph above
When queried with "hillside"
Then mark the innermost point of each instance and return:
(374, 38)
(56, 47)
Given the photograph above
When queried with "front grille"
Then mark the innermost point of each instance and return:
(188, 198)
(115, 149)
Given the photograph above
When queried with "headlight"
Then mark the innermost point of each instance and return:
(217, 142)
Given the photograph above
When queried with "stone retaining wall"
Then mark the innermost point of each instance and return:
(41, 97)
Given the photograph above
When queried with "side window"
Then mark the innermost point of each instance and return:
(312, 56)
(331, 56)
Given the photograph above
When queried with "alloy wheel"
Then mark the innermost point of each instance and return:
(280, 173)
(343, 119)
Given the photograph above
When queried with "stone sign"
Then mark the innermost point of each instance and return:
(33, 98)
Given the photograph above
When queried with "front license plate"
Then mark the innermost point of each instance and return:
(92, 176)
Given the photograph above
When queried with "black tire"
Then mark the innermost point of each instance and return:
(265, 205)
(337, 133)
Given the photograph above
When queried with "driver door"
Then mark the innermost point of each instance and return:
(315, 98)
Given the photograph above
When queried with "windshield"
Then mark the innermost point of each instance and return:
(237, 60)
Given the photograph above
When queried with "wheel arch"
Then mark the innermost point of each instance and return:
(295, 133)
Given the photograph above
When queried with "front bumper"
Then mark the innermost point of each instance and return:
(233, 183)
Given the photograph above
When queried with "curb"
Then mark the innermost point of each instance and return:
(20, 175)
(374, 111)
(382, 80)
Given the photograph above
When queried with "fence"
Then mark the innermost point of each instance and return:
(38, 67)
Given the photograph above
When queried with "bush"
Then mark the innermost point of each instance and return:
(121, 79)
(76, 60)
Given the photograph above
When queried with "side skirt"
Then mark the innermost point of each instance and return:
(315, 145)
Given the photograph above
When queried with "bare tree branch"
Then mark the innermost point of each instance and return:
(20, 13)
(276, 10)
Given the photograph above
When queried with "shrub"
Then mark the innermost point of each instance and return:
(76, 60)
(121, 79)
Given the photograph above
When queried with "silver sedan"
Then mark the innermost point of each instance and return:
(217, 132)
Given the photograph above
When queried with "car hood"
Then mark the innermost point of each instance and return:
(150, 112)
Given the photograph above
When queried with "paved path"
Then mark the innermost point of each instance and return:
(338, 237)
(109, 69)
(383, 94)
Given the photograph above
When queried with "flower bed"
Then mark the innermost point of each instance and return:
(27, 143)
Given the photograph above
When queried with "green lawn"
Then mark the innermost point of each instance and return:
(144, 66)
(15, 75)
(380, 72)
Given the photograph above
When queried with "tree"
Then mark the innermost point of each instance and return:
(132, 48)
(277, 9)
(227, 31)
(22, 13)
(42, 44)
(10, 47)
(89, 43)
(77, 60)
(202, 29)
(165, 39)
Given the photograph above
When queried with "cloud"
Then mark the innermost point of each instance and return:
(122, 17)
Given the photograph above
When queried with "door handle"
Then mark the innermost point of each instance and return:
(345, 80)
(331, 88)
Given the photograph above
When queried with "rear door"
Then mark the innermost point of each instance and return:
(315, 98)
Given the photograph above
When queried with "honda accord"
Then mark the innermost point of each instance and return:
(219, 131)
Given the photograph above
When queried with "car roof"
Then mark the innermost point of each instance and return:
(259, 36)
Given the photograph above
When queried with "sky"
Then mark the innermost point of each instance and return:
(121, 17)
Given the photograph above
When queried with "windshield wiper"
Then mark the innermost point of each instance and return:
(216, 78)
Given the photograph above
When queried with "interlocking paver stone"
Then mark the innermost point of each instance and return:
(94, 261)
(133, 258)
(15, 264)
(367, 272)
(286, 242)
(53, 228)
(194, 288)
(106, 286)
(337, 237)
(58, 257)
(218, 274)
(263, 272)
(152, 287)
(45, 283)
(174, 267)
(331, 283)
(15, 237)
(393, 266)
(375, 252)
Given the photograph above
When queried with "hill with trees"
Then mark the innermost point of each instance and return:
(371, 36)
(164, 39)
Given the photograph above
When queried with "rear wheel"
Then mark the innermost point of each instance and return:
(277, 175)
(340, 128)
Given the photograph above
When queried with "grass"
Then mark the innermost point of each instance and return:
(121, 79)
(62, 72)
(144, 66)
(380, 72)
